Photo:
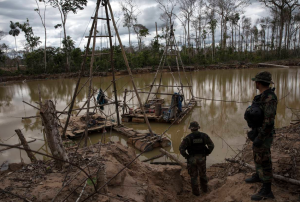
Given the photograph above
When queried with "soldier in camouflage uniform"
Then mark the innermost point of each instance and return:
(262, 136)
(198, 145)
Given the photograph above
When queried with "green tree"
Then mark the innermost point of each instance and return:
(32, 41)
(14, 31)
(65, 7)
(130, 17)
(68, 45)
(141, 31)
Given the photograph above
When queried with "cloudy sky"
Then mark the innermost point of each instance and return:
(149, 13)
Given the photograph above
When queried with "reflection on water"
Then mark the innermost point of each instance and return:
(223, 119)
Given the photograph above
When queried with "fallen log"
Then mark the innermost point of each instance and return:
(277, 177)
(16, 145)
(155, 157)
(171, 156)
(265, 64)
(25, 145)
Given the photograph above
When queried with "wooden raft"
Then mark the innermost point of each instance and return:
(142, 141)
(138, 117)
(76, 127)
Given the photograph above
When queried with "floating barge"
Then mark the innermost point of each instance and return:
(142, 141)
(98, 124)
(76, 127)
(155, 112)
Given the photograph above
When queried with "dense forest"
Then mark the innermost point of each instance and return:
(213, 31)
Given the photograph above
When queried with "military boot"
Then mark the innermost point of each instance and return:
(204, 186)
(264, 193)
(195, 190)
(254, 178)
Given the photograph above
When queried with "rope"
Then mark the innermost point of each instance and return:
(240, 102)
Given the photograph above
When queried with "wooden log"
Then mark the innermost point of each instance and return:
(112, 64)
(169, 86)
(48, 115)
(159, 93)
(143, 146)
(171, 156)
(126, 119)
(277, 177)
(273, 65)
(157, 109)
(153, 158)
(138, 120)
(25, 145)
(165, 142)
(16, 145)
(31, 117)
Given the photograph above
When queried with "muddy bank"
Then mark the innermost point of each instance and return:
(146, 70)
(141, 181)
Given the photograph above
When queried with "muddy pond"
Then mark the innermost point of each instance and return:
(222, 121)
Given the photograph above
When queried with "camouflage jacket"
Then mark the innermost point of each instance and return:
(186, 143)
(268, 103)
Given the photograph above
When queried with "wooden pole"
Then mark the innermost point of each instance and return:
(76, 96)
(112, 64)
(278, 177)
(82, 106)
(25, 145)
(171, 156)
(180, 79)
(91, 81)
(129, 70)
(178, 53)
(81, 73)
(124, 105)
(159, 66)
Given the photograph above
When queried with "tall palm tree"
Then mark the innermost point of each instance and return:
(14, 31)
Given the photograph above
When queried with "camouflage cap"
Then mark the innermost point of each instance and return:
(194, 125)
(263, 76)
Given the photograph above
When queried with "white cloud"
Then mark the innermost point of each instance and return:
(20, 10)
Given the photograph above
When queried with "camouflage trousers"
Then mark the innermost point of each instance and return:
(263, 162)
(197, 168)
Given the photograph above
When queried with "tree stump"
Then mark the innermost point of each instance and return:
(50, 121)
(102, 179)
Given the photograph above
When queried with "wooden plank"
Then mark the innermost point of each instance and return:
(159, 93)
(101, 18)
(97, 36)
(168, 86)
(138, 120)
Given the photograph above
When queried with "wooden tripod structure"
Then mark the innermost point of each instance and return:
(93, 35)
(171, 49)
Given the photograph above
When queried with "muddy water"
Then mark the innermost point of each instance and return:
(222, 121)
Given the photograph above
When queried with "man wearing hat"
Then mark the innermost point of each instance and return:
(198, 145)
(261, 117)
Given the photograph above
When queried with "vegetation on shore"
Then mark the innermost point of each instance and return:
(269, 38)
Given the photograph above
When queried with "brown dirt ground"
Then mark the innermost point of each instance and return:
(152, 183)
